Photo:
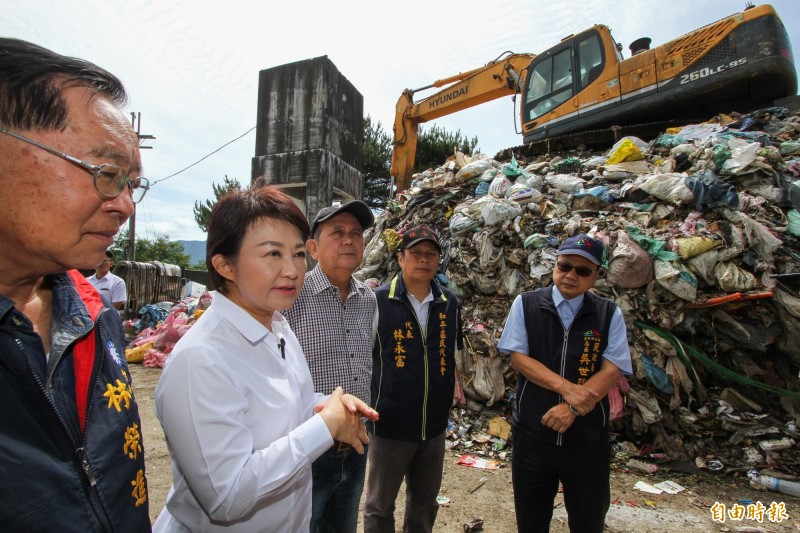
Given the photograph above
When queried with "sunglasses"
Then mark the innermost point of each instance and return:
(583, 272)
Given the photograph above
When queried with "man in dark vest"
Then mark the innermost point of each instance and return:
(568, 347)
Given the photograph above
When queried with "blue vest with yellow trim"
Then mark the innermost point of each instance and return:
(413, 373)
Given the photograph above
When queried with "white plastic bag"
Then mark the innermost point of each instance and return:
(461, 223)
(500, 210)
(667, 187)
(476, 168)
(565, 182)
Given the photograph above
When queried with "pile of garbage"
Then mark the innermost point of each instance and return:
(160, 326)
(702, 232)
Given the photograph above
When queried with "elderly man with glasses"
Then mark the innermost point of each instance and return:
(568, 347)
(71, 452)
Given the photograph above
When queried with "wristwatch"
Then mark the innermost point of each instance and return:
(573, 410)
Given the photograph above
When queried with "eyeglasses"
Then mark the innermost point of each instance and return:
(583, 272)
(109, 180)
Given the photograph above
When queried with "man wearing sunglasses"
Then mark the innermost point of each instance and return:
(71, 453)
(568, 347)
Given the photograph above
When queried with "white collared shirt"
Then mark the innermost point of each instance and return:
(421, 309)
(110, 286)
(240, 426)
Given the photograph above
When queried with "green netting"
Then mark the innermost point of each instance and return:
(712, 365)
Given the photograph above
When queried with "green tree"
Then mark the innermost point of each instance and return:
(436, 144)
(161, 249)
(377, 153)
(199, 265)
(203, 210)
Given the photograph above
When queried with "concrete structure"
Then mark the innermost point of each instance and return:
(309, 133)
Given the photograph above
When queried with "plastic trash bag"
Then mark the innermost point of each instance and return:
(758, 236)
(500, 210)
(490, 258)
(674, 277)
(500, 184)
(657, 376)
(647, 405)
(793, 218)
(743, 153)
(790, 148)
(703, 265)
(692, 246)
(668, 187)
(514, 282)
(630, 266)
(522, 194)
(731, 278)
(668, 140)
(565, 182)
(626, 150)
(512, 169)
(709, 191)
(461, 224)
(476, 168)
(482, 189)
(721, 153)
(600, 191)
(655, 247)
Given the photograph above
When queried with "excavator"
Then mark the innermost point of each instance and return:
(583, 92)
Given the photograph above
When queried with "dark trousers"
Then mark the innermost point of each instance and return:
(584, 470)
(338, 481)
(421, 464)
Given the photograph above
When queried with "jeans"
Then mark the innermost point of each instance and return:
(584, 471)
(338, 482)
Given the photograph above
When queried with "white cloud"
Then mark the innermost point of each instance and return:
(191, 67)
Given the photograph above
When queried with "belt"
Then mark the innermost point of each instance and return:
(339, 446)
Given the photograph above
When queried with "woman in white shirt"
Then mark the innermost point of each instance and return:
(236, 399)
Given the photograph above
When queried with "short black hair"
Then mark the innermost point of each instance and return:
(236, 212)
(33, 80)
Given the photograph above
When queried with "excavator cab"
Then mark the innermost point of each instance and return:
(584, 85)
(563, 81)
(551, 81)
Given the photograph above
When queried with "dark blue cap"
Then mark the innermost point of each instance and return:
(585, 246)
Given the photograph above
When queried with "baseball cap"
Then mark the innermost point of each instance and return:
(585, 246)
(357, 208)
(418, 234)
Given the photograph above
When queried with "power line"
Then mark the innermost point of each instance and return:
(205, 157)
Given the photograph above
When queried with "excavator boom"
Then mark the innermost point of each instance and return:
(497, 78)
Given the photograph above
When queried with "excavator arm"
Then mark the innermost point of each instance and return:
(497, 78)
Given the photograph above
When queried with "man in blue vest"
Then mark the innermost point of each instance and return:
(413, 378)
(568, 347)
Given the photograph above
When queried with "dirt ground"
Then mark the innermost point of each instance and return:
(632, 511)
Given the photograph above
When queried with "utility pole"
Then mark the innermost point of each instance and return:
(136, 123)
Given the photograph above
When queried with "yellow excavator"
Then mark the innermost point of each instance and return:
(582, 90)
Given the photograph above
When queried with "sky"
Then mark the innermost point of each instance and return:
(191, 67)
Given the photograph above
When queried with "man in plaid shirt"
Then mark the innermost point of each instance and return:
(335, 319)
